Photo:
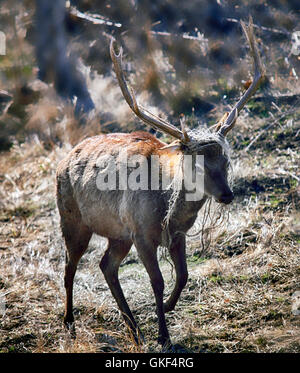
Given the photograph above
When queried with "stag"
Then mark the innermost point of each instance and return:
(126, 217)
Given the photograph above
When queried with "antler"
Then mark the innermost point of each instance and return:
(141, 112)
(228, 120)
(258, 76)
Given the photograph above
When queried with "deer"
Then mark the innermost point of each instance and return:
(138, 217)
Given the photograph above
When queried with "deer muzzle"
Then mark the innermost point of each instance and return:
(226, 198)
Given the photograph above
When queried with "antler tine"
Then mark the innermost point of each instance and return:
(258, 76)
(183, 129)
(143, 114)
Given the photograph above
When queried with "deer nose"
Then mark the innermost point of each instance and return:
(226, 198)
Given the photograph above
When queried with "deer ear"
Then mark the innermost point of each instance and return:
(221, 121)
(174, 146)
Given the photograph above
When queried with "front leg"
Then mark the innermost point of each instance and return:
(147, 250)
(178, 256)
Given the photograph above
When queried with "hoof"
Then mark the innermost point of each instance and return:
(137, 336)
(70, 327)
(165, 342)
(168, 308)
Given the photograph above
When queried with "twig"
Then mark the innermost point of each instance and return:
(284, 172)
(276, 31)
(7, 177)
(96, 19)
(199, 37)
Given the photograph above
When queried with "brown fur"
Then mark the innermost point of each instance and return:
(128, 217)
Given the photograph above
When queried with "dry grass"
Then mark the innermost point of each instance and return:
(238, 298)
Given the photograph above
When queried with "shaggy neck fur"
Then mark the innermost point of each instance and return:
(198, 139)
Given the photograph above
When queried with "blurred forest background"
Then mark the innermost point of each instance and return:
(185, 57)
(57, 86)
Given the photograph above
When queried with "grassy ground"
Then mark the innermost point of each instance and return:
(243, 275)
(239, 297)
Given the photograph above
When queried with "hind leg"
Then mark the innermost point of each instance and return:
(77, 237)
(109, 265)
